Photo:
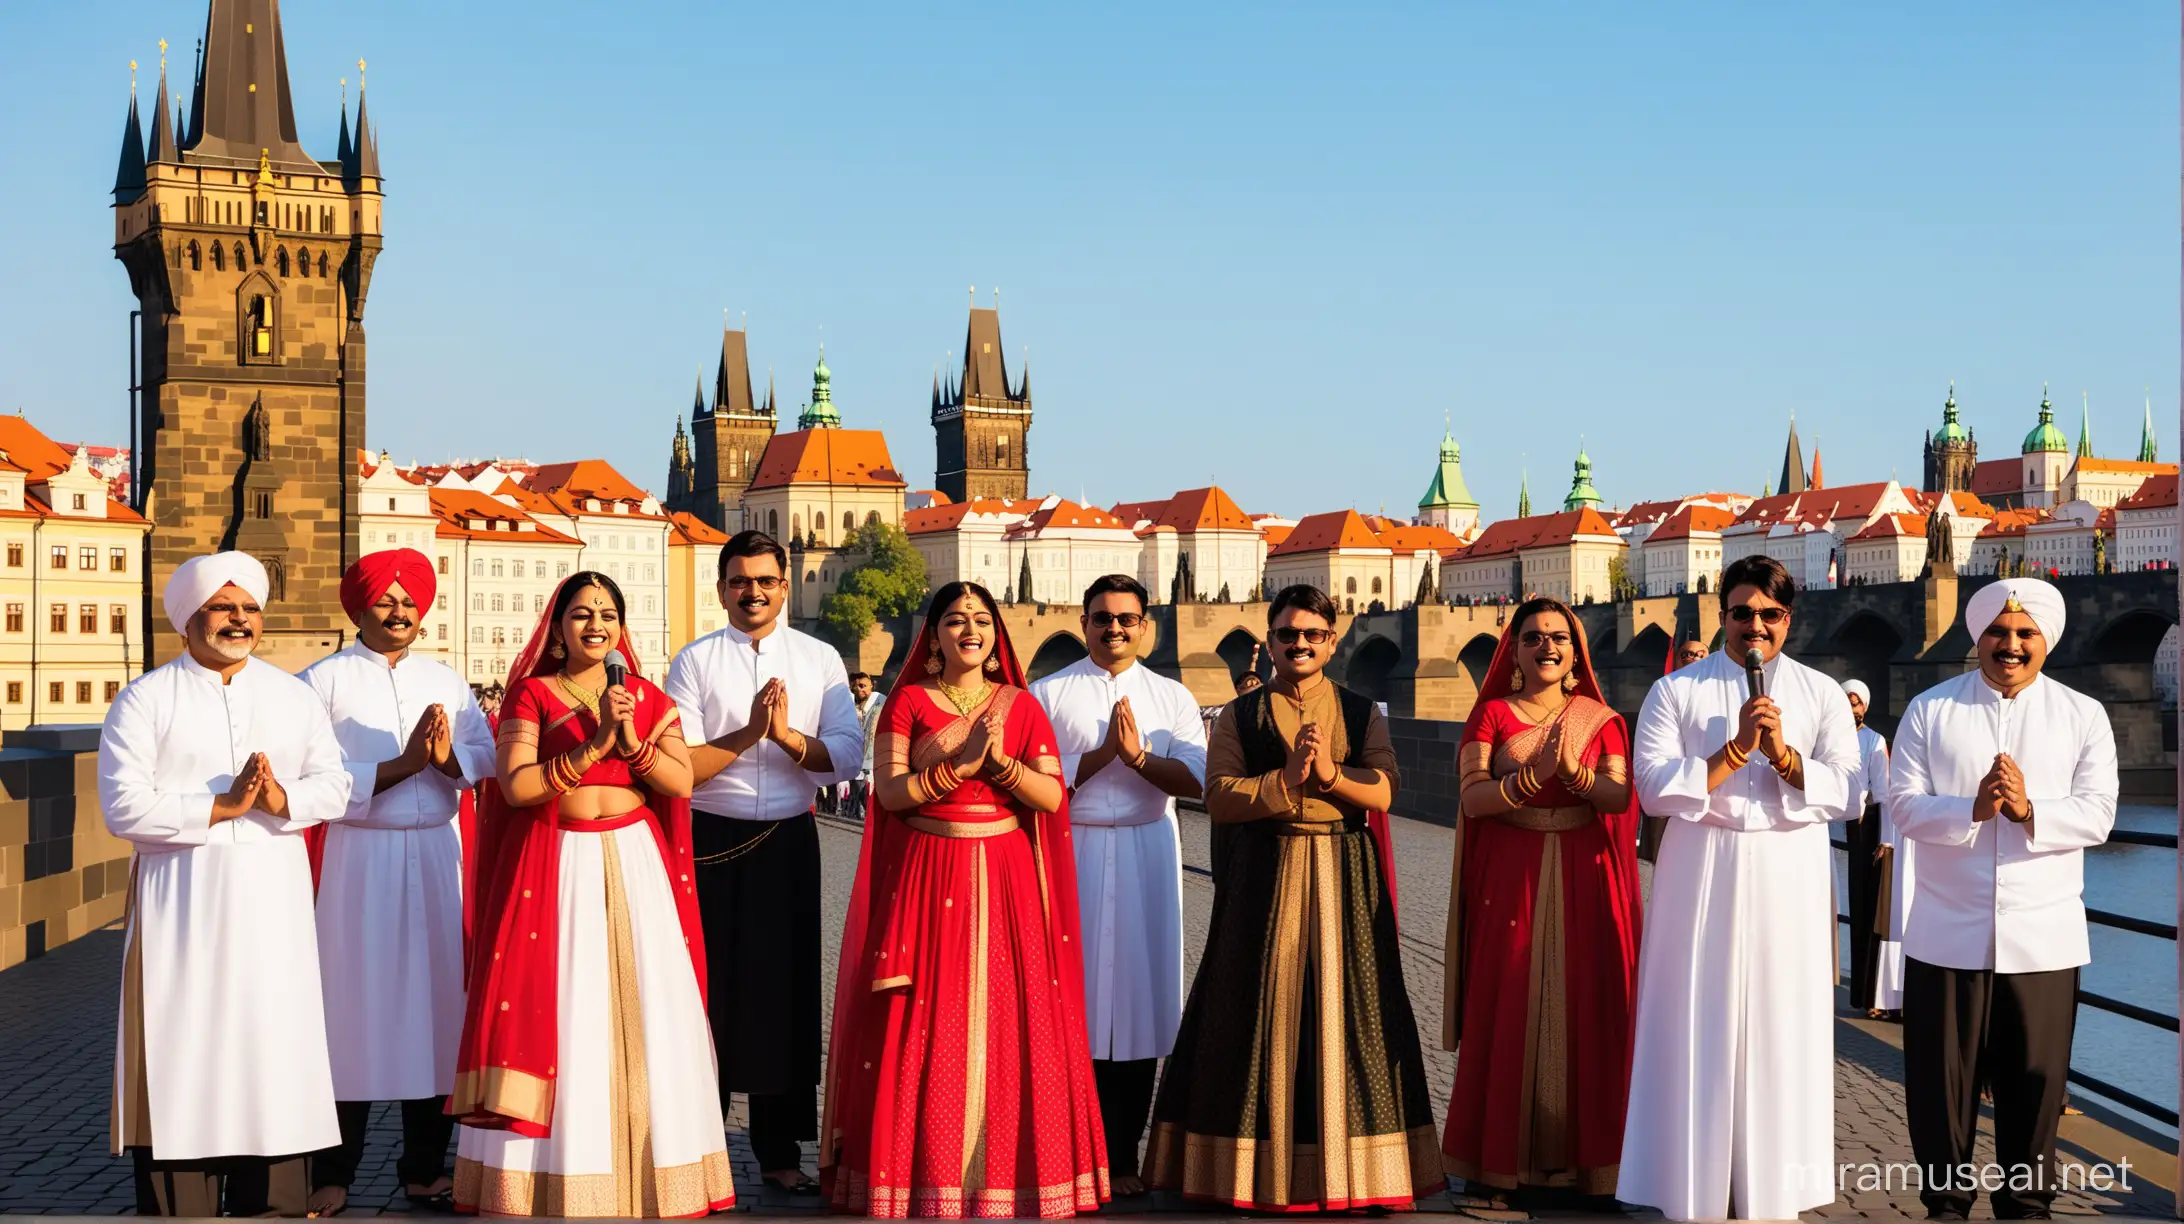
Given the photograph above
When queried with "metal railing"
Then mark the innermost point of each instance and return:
(2114, 1006)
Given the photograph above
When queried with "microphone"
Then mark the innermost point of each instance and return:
(618, 668)
(1755, 678)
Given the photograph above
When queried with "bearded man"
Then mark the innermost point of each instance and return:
(211, 767)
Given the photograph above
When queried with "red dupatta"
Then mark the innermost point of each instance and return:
(505, 1065)
(1622, 826)
(855, 1002)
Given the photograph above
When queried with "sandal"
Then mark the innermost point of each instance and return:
(802, 1187)
(439, 1202)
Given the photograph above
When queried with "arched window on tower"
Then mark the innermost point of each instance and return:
(322, 265)
(280, 261)
(1349, 586)
(197, 258)
(241, 260)
(261, 325)
(303, 262)
(849, 524)
(219, 258)
(773, 523)
(1001, 450)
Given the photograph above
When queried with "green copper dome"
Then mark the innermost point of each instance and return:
(1952, 430)
(2044, 436)
(820, 413)
(1582, 493)
(1447, 492)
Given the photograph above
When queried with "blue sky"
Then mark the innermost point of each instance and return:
(1268, 245)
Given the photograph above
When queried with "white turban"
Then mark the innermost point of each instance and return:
(1858, 689)
(2037, 599)
(200, 578)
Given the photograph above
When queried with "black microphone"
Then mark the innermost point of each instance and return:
(1754, 677)
(618, 668)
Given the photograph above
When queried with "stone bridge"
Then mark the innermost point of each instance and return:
(1426, 663)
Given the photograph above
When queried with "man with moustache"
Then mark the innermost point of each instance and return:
(770, 719)
(1732, 1089)
(211, 767)
(1993, 947)
(1131, 743)
(1690, 652)
(1296, 1083)
(390, 905)
(869, 704)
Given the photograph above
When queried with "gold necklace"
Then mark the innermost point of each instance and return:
(964, 700)
(1535, 714)
(583, 696)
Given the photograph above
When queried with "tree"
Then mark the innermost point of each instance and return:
(1023, 578)
(1224, 596)
(1620, 584)
(889, 580)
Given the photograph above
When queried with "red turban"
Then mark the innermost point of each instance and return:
(373, 573)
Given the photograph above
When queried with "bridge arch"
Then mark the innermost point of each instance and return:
(1372, 668)
(1867, 643)
(1240, 650)
(2125, 650)
(1057, 652)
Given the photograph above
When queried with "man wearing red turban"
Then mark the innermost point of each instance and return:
(390, 911)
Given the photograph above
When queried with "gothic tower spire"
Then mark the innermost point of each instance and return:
(2148, 450)
(1793, 463)
(129, 175)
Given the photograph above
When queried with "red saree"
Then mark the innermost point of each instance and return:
(1542, 955)
(959, 1082)
(505, 1065)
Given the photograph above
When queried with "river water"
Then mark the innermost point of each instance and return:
(2140, 882)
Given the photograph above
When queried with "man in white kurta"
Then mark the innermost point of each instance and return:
(1732, 1089)
(770, 719)
(211, 766)
(1131, 741)
(390, 904)
(2003, 776)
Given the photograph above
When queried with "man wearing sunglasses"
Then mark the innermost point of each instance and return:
(1131, 743)
(2005, 778)
(1296, 1082)
(770, 719)
(1732, 1089)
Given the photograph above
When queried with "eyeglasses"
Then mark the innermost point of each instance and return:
(1533, 638)
(1125, 620)
(1743, 614)
(764, 582)
(1315, 637)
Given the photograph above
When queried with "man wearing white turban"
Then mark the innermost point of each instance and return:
(1871, 841)
(1993, 947)
(211, 766)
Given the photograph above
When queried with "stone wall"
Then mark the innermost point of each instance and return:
(1425, 757)
(62, 875)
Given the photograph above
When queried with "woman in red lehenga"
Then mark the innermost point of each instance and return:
(1542, 924)
(584, 1080)
(959, 1083)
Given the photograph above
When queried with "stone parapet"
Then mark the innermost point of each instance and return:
(62, 875)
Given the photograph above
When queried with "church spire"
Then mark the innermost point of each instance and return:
(1816, 482)
(129, 175)
(2148, 450)
(732, 384)
(2085, 426)
(820, 413)
(1793, 463)
(242, 103)
(698, 405)
(345, 149)
(163, 146)
(1524, 495)
(365, 150)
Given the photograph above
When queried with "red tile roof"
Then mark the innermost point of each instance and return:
(2158, 491)
(1407, 538)
(2014, 521)
(1207, 509)
(1889, 525)
(1538, 531)
(22, 445)
(1996, 477)
(2126, 466)
(690, 529)
(1065, 513)
(1692, 520)
(1325, 533)
(458, 508)
(585, 478)
(949, 516)
(827, 456)
(1275, 534)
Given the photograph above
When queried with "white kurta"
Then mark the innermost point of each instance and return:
(1129, 853)
(390, 902)
(1873, 786)
(234, 1030)
(1732, 1090)
(712, 682)
(1998, 894)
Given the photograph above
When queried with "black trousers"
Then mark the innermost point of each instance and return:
(426, 1129)
(222, 1185)
(758, 899)
(1864, 839)
(1125, 1089)
(1968, 1028)
(1650, 829)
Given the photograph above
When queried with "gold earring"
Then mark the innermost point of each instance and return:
(1516, 681)
(932, 661)
(1569, 683)
(556, 650)
(993, 665)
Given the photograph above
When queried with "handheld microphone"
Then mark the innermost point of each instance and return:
(618, 669)
(1755, 678)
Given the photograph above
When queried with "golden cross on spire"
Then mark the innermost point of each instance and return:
(360, 74)
(162, 55)
(132, 76)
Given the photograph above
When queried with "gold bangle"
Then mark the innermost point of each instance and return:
(647, 757)
(1503, 788)
(1733, 756)
(1582, 783)
(1787, 765)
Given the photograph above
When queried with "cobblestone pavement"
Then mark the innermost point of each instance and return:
(57, 1036)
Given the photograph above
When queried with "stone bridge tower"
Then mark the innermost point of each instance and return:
(982, 425)
(250, 260)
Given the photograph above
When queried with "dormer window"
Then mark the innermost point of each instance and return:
(77, 503)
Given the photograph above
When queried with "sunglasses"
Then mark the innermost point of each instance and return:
(1315, 637)
(1126, 620)
(1743, 614)
(764, 582)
